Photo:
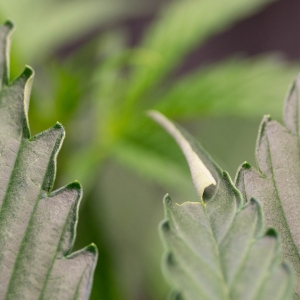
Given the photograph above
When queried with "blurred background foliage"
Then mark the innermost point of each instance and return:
(100, 65)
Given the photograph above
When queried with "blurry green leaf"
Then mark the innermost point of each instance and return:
(216, 249)
(226, 88)
(234, 87)
(47, 24)
(37, 225)
(181, 26)
(276, 184)
(151, 164)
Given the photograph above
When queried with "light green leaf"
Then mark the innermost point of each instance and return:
(37, 225)
(230, 87)
(152, 164)
(216, 249)
(276, 183)
(48, 24)
(180, 27)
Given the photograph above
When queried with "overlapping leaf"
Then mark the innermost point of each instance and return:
(180, 27)
(37, 226)
(277, 182)
(216, 248)
(238, 81)
(54, 22)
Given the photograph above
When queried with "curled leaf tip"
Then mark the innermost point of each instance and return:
(201, 176)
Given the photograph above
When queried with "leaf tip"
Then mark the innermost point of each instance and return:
(264, 121)
(167, 201)
(267, 118)
(254, 201)
(9, 24)
(58, 126)
(153, 114)
(160, 119)
(74, 186)
(92, 248)
(271, 232)
(28, 71)
(291, 107)
(246, 165)
(261, 151)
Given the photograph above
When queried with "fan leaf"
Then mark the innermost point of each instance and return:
(37, 226)
(276, 183)
(217, 248)
(180, 27)
(238, 80)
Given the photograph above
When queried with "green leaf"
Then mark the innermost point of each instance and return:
(276, 183)
(49, 24)
(37, 225)
(152, 164)
(216, 248)
(229, 87)
(180, 27)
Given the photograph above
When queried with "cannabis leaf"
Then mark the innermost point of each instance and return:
(180, 26)
(276, 183)
(236, 91)
(216, 248)
(37, 226)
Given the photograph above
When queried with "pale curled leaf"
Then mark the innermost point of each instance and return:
(276, 183)
(202, 178)
(37, 226)
(216, 249)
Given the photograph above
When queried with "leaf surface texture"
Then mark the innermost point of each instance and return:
(37, 225)
(276, 182)
(216, 248)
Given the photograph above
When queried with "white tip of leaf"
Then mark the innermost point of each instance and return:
(201, 176)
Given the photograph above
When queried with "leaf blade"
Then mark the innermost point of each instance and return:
(180, 27)
(276, 183)
(235, 92)
(37, 227)
(216, 249)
